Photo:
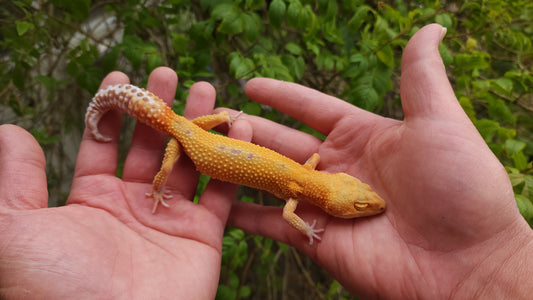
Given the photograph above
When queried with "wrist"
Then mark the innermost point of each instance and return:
(505, 272)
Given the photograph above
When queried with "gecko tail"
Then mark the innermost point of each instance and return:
(92, 118)
(137, 102)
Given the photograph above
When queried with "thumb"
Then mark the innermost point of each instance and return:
(424, 88)
(22, 170)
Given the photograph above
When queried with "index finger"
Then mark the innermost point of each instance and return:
(314, 108)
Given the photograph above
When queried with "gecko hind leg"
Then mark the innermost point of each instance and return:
(211, 121)
(172, 154)
(312, 161)
(295, 221)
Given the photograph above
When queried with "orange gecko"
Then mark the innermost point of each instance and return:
(231, 160)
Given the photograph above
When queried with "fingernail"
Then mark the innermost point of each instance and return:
(443, 32)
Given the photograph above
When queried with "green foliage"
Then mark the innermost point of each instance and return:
(234, 256)
(54, 53)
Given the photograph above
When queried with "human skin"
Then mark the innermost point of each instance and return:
(106, 243)
(451, 228)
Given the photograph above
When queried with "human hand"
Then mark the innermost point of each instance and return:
(105, 243)
(451, 222)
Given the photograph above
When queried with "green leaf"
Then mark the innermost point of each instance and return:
(276, 12)
(517, 180)
(233, 280)
(293, 13)
(247, 199)
(514, 150)
(520, 161)
(294, 48)
(252, 108)
(358, 17)
(251, 27)
(202, 183)
(333, 289)
(254, 4)
(79, 8)
(502, 86)
(43, 138)
(474, 61)
(444, 20)
(386, 56)
(109, 61)
(528, 186)
(231, 25)
(236, 234)
(202, 30)
(514, 146)
(381, 80)
(498, 110)
(331, 32)
(467, 106)
(23, 27)
(525, 207)
(222, 10)
(153, 61)
(313, 47)
(132, 50)
(312, 131)
(231, 16)
(225, 293)
(296, 65)
(360, 59)
(447, 57)
(522, 183)
(47, 81)
(481, 85)
(19, 109)
(471, 44)
(208, 4)
(240, 66)
(487, 128)
(245, 292)
(307, 17)
(365, 97)
(325, 60)
(278, 68)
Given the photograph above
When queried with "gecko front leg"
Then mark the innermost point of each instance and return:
(295, 221)
(173, 152)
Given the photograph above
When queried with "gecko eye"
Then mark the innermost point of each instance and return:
(360, 206)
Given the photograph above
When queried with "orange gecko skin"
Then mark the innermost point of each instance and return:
(231, 160)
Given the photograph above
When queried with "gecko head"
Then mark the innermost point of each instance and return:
(350, 198)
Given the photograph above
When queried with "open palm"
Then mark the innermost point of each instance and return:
(450, 202)
(106, 243)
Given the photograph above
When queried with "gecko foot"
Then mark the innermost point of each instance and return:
(159, 197)
(234, 118)
(312, 232)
